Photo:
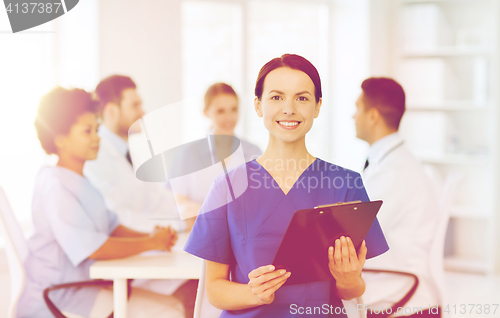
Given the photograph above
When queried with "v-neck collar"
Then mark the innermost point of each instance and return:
(294, 184)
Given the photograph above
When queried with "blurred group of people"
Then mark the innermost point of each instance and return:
(91, 206)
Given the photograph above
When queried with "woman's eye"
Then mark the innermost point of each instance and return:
(276, 97)
(302, 98)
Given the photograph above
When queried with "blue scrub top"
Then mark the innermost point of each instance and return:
(247, 231)
(71, 222)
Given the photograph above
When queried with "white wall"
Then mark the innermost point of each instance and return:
(143, 40)
(146, 45)
(60, 52)
(76, 52)
(381, 31)
(350, 62)
(26, 74)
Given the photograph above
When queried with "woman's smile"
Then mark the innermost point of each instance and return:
(288, 124)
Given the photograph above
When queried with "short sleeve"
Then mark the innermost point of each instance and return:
(209, 239)
(376, 243)
(73, 230)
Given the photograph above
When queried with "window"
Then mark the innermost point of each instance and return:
(235, 40)
(211, 52)
(61, 52)
(278, 27)
(27, 72)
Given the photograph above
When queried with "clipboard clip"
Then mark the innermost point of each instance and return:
(335, 204)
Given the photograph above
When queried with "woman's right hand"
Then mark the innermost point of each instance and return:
(265, 280)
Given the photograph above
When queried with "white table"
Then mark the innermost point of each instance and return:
(150, 265)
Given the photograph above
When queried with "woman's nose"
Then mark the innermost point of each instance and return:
(288, 108)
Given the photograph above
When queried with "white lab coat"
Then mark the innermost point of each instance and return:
(408, 218)
(139, 205)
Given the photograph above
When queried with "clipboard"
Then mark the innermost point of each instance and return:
(304, 247)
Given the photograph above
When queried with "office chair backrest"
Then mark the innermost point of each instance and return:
(446, 201)
(16, 249)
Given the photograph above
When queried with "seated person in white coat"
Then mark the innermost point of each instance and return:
(221, 107)
(139, 205)
(409, 215)
(73, 228)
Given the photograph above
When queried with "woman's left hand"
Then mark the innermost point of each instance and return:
(345, 265)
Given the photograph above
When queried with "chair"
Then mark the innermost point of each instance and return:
(17, 252)
(447, 198)
(203, 308)
(405, 298)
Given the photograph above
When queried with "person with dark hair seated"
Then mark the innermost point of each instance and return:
(408, 216)
(73, 228)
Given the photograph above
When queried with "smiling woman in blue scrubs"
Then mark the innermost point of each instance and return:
(72, 225)
(240, 238)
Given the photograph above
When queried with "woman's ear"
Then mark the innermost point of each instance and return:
(60, 142)
(317, 107)
(257, 106)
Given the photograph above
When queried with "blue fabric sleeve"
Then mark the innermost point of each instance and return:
(209, 239)
(376, 243)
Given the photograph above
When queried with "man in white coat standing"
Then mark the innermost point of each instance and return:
(409, 214)
(139, 205)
